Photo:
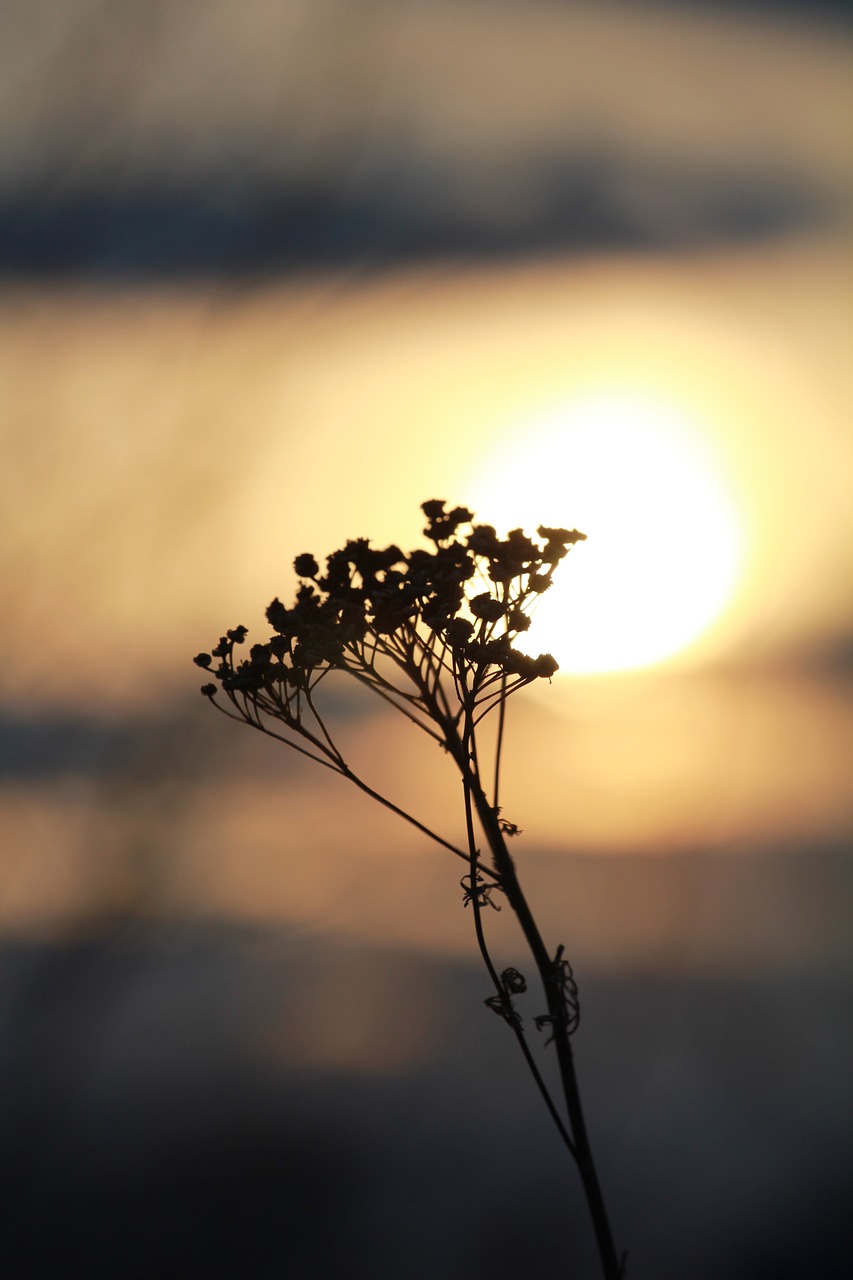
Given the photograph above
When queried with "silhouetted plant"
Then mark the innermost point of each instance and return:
(433, 634)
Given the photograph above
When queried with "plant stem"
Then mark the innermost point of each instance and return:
(551, 976)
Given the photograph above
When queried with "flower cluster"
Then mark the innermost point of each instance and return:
(452, 610)
(436, 633)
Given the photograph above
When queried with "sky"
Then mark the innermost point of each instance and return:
(619, 301)
(271, 275)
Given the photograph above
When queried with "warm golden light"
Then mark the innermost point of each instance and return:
(662, 557)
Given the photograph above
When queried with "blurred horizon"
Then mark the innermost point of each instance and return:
(148, 140)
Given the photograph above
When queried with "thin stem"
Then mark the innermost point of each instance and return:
(270, 733)
(337, 763)
(498, 983)
(401, 813)
(543, 1089)
(474, 872)
(325, 732)
(383, 693)
(551, 977)
(499, 743)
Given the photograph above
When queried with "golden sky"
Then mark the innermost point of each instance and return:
(184, 446)
(169, 447)
(168, 453)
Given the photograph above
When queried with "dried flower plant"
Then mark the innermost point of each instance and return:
(433, 633)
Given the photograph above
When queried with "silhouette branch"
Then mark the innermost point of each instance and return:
(435, 634)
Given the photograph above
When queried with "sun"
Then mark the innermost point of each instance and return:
(662, 558)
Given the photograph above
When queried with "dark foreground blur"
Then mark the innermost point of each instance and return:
(217, 1102)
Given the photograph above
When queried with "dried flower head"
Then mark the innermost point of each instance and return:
(426, 629)
(433, 632)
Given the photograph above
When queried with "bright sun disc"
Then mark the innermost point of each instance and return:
(663, 549)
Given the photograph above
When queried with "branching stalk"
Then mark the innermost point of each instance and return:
(445, 625)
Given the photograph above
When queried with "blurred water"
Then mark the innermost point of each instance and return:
(215, 1101)
(318, 1090)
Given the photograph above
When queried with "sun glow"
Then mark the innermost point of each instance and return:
(664, 546)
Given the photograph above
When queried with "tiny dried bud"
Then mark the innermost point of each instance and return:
(514, 982)
(518, 620)
(277, 616)
(459, 631)
(502, 1006)
(306, 566)
(202, 659)
(560, 535)
(487, 607)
